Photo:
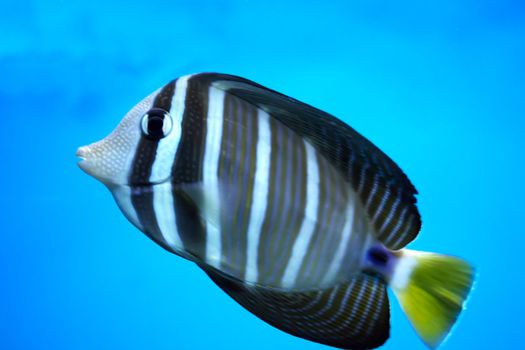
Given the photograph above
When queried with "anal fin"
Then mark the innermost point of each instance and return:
(353, 315)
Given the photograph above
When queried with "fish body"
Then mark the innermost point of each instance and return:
(289, 210)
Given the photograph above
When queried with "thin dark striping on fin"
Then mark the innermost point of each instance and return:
(353, 315)
(382, 186)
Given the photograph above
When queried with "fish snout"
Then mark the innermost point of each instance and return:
(85, 162)
(104, 161)
(82, 153)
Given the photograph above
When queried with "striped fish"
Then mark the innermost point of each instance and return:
(290, 211)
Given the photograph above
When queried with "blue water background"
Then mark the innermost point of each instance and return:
(438, 85)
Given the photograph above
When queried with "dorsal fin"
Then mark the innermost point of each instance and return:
(353, 315)
(384, 189)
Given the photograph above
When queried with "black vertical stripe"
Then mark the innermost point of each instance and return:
(284, 199)
(147, 147)
(323, 232)
(238, 154)
(188, 165)
(237, 175)
(296, 216)
(330, 238)
(273, 215)
(356, 243)
(141, 190)
(248, 180)
(226, 167)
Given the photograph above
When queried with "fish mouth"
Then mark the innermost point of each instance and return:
(88, 164)
(82, 152)
(82, 155)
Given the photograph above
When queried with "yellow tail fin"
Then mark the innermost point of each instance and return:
(431, 289)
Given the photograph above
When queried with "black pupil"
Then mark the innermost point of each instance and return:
(155, 122)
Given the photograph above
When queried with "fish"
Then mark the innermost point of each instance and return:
(289, 210)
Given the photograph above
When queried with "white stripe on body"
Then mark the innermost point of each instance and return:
(167, 147)
(260, 194)
(161, 169)
(165, 214)
(339, 255)
(210, 175)
(122, 196)
(310, 218)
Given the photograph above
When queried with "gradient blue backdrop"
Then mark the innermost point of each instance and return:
(439, 86)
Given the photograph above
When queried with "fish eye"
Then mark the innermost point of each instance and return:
(156, 123)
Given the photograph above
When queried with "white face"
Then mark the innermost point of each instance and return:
(109, 159)
(137, 158)
(142, 148)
